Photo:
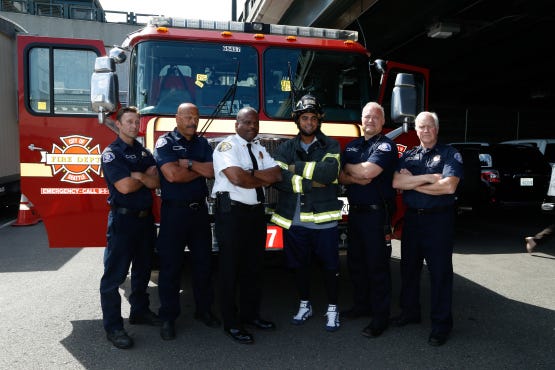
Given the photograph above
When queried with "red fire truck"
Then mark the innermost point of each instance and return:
(66, 117)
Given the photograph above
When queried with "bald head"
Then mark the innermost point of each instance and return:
(187, 118)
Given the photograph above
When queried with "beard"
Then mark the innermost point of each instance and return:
(305, 132)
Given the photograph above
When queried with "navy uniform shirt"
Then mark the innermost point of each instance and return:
(173, 146)
(443, 159)
(118, 161)
(382, 151)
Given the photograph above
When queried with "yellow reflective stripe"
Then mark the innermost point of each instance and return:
(331, 155)
(283, 165)
(308, 170)
(35, 170)
(336, 157)
(319, 218)
(297, 183)
(281, 221)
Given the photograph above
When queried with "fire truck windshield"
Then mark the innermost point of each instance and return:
(339, 80)
(164, 74)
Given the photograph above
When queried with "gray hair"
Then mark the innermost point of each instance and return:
(422, 115)
(373, 104)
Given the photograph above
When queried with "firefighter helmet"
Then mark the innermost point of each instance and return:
(308, 104)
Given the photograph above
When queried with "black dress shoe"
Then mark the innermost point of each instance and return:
(120, 339)
(167, 331)
(208, 318)
(402, 320)
(355, 313)
(240, 335)
(375, 328)
(437, 339)
(147, 318)
(261, 324)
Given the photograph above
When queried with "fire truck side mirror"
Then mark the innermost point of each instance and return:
(404, 101)
(104, 87)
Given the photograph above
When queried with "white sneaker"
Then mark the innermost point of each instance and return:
(305, 311)
(332, 323)
(530, 244)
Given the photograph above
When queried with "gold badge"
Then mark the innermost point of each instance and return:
(224, 146)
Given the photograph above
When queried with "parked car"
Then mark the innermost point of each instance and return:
(472, 191)
(518, 175)
(547, 148)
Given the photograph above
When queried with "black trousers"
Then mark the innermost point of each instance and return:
(368, 259)
(428, 237)
(180, 227)
(241, 235)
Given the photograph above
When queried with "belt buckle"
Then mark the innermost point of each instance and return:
(195, 206)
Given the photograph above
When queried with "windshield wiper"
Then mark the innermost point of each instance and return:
(229, 96)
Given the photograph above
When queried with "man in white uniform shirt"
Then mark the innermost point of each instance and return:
(242, 167)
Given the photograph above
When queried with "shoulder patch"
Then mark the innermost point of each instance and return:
(161, 142)
(108, 156)
(384, 147)
(224, 146)
(458, 157)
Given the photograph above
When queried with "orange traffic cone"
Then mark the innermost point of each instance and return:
(27, 214)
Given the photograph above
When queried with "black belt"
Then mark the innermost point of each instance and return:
(195, 206)
(365, 207)
(132, 212)
(247, 206)
(426, 211)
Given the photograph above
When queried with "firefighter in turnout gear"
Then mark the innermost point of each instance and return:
(308, 208)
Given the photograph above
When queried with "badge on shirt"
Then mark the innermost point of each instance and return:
(384, 147)
(145, 153)
(224, 146)
(108, 157)
(458, 157)
(436, 158)
(161, 142)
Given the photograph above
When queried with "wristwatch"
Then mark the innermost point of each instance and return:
(190, 165)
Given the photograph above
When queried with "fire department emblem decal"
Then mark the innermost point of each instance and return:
(401, 149)
(74, 159)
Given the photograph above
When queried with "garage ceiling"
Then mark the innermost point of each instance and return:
(502, 55)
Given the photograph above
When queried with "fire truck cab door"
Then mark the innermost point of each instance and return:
(61, 140)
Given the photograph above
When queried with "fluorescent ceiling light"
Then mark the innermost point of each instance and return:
(443, 30)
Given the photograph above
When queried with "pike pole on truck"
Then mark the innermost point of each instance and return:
(66, 117)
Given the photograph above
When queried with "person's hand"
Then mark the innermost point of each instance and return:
(292, 168)
(183, 162)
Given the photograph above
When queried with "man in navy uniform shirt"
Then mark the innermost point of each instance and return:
(369, 163)
(185, 162)
(428, 175)
(130, 173)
